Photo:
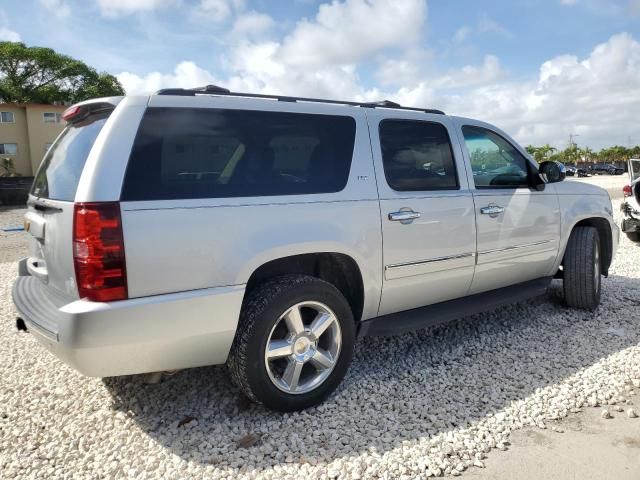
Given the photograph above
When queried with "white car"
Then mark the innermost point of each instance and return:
(201, 226)
(631, 204)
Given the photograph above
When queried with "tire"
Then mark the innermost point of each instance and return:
(633, 236)
(582, 269)
(265, 319)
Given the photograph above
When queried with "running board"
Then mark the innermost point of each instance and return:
(422, 317)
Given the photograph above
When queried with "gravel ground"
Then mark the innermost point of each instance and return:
(430, 403)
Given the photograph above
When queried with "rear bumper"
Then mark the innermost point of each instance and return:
(163, 332)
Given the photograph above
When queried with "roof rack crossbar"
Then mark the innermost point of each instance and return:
(216, 90)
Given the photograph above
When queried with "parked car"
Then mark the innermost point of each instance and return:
(631, 204)
(576, 172)
(604, 168)
(200, 226)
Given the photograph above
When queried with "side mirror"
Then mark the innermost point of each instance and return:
(552, 172)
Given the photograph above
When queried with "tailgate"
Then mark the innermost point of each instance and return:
(50, 225)
(49, 219)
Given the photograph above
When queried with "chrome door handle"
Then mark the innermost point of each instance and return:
(403, 216)
(492, 210)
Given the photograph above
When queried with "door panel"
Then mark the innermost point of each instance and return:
(518, 228)
(518, 244)
(431, 257)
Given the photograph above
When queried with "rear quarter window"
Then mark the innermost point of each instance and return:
(182, 153)
(59, 174)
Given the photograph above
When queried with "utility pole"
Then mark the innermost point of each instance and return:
(573, 145)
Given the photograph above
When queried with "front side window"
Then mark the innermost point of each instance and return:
(184, 153)
(7, 117)
(8, 149)
(51, 117)
(417, 156)
(495, 163)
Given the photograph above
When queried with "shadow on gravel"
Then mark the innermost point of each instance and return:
(398, 391)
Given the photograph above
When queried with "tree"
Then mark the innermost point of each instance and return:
(40, 75)
(540, 154)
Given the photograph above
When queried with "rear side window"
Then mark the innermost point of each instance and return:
(60, 171)
(210, 153)
(417, 156)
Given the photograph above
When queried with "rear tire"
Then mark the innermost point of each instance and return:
(633, 236)
(306, 362)
(582, 269)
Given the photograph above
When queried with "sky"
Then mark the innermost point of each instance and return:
(539, 69)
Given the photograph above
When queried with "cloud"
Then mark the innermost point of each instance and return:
(408, 68)
(252, 25)
(595, 96)
(216, 10)
(568, 2)
(462, 34)
(344, 32)
(115, 8)
(57, 7)
(488, 25)
(484, 25)
(471, 75)
(186, 75)
(9, 35)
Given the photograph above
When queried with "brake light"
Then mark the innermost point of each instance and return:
(626, 191)
(98, 252)
(70, 112)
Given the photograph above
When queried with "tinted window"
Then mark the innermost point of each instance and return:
(495, 163)
(417, 155)
(207, 153)
(60, 171)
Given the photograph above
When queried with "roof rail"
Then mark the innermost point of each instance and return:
(216, 90)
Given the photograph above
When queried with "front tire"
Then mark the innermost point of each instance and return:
(582, 269)
(294, 343)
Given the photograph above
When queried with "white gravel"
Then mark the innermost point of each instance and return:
(425, 404)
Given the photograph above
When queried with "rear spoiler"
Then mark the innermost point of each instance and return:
(80, 111)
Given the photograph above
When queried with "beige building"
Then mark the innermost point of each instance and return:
(27, 131)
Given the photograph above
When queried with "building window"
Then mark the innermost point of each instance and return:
(7, 117)
(8, 148)
(51, 117)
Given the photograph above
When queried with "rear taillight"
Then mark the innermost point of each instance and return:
(626, 191)
(98, 252)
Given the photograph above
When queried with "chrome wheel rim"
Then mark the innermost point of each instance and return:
(596, 269)
(303, 347)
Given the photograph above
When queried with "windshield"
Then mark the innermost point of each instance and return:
(60, 171)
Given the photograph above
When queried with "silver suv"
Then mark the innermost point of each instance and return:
(199, 226)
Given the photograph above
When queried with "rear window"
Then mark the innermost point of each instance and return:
(209, 153)
(60, 171)
(417, 156)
